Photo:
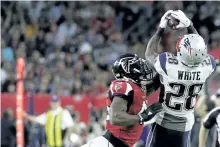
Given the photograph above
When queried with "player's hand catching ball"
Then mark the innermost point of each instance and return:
(150, 112)
(184, 22)
(173, 22)
(164, 19)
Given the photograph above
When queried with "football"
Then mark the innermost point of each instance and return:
(172, 22)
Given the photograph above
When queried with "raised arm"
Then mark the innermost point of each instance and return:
(151, 50)
(191, 29)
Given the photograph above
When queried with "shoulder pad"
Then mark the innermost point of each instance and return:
(120, 87)
(160, 63)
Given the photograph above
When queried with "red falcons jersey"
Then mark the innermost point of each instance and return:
(136, 97)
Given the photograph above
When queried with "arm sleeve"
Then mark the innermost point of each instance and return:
(210, 118)
(42, 118)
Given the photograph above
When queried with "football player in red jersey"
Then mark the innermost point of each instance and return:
(127, 103)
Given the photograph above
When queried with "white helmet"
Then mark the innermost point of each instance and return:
(191, 49)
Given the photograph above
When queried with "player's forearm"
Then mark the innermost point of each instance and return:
(118, 113)
(123, 119)
(191, 29)
(202, 136)
(151, 50)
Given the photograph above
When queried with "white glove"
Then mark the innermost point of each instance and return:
(184, 21)
(164, 19)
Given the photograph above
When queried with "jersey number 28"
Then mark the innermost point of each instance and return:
(180, 91)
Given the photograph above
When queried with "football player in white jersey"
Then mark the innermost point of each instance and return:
(182, 77)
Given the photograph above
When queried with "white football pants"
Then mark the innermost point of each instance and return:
(98, 142)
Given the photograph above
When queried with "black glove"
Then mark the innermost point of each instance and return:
(150, 112)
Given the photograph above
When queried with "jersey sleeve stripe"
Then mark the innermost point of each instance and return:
(212, 61)
(163, 60)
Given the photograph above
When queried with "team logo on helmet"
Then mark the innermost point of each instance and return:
(187, 45)
(127, 62)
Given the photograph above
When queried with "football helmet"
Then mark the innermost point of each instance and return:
(130, 66)
(191, 49)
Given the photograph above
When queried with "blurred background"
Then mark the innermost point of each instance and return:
(69, 48)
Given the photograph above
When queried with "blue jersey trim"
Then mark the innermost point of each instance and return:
(212, 61)
(163, 60)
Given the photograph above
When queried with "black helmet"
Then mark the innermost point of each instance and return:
(132, 67)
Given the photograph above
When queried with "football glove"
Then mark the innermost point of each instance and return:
(184, 22)
(150, 112)
(164, 19)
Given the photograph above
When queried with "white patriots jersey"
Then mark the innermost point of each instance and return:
(180, 86)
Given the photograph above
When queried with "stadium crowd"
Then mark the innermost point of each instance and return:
(66, 44)
(69, 46)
